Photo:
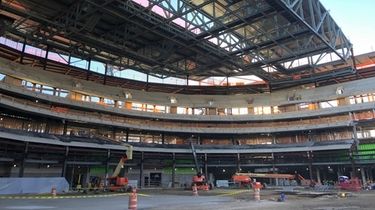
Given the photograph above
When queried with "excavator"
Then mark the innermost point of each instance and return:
(115, 182)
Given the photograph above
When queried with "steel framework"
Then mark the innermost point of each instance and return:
(187, 38)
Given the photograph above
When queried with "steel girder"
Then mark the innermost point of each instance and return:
(215, 38)
(317, 19)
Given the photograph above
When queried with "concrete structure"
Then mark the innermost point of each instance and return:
(66, 105)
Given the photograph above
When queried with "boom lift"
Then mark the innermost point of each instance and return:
(245, 179)
(115, 182)
(199, 180)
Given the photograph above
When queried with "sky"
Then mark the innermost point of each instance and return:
(356, 18)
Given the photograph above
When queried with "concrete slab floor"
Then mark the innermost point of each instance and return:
(231, 200)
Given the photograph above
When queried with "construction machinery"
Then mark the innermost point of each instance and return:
(115, 182)
(245, 179)
(242, 180)
(353, 184)
(198, 180)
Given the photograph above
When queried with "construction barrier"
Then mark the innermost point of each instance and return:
(133, 200)
(195, 190)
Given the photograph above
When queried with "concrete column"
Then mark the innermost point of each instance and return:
(318, 176)
(238, 162)
(274, 169)
(107, 167)
(162, 138)
(114, 134)
(88, 70)
(370, 174)
(141, 184)
(105, 74)
(127, 135)
(363, 175)
(355, 136)
(22, 165)
(23, 50)
(206, 167)
(63, 171)
(173, 169)
(46, 58)
(309, 154)
(354, 172)
(65, 128)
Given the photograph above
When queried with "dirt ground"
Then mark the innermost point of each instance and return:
(220, 199)
(307, 200)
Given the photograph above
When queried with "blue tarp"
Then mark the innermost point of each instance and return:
(32, 185)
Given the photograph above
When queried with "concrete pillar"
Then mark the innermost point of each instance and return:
(127, 135)
(162, 138)
(63, 171)
(173, 110)
(141, 171)
(370, 174)
(363, 175)
(22, 165)
(206, 167)
(309, 155)
(173, 169)
(107, 167)
(65, 129)
(274, 168)
(238, 162)
(318, 175)
(354, 172)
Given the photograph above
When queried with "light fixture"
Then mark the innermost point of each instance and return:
(223, 170)
(339, 90)
(14, 165)
(128, 95)
(173, 99)
(48, 166)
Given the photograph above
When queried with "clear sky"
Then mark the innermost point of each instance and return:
(357, 20)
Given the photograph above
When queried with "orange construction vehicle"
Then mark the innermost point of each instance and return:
(200, 181)
(244, 179)
(116, 183)
(353, 184)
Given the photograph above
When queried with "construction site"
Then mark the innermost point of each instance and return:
(183, 104)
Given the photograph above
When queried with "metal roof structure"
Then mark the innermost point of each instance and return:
(192, 39)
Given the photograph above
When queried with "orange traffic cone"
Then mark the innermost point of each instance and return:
(133, 200)
(195, 190)
(257, 194)
(53, 191)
